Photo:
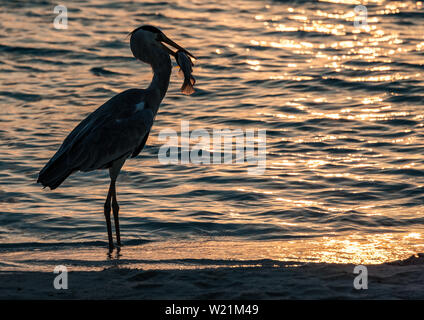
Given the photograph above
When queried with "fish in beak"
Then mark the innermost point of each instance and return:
(186, 67)
(182, 56)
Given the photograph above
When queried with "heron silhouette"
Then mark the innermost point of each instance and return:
(120, 127)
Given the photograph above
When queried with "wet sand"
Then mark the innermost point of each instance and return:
(403, 279)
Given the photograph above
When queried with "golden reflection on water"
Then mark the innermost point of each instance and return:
(370, 43)
(208, 253)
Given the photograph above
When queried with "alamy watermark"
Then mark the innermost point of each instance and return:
(60, 282)
(61, 20)
(361, 16)
(215, 147)
(361, 280)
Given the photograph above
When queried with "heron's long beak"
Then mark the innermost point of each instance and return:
(176, 46)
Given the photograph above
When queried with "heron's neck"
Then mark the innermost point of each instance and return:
(161, 75)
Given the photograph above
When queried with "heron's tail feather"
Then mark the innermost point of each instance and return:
(54, 173)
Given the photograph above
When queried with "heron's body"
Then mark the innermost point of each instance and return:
(116, 130)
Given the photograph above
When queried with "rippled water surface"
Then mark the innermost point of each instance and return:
(342, 107)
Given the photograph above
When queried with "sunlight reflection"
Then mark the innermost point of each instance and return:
(350, 248)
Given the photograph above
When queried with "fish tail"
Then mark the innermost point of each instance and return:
(188, 85)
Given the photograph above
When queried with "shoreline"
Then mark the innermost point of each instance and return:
(402, 279)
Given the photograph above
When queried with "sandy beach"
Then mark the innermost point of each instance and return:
(271, 280)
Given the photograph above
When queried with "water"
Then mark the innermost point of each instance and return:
(342, 107)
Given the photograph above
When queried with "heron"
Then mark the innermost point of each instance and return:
(119, 128)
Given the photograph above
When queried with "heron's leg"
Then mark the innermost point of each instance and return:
(113, 173)
(107, 216)
(115, 208)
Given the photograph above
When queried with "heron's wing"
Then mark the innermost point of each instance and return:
(141, 146)
(113, 131)
(113, 139)
(118, 106)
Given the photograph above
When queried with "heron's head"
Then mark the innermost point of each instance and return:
(147, 42)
